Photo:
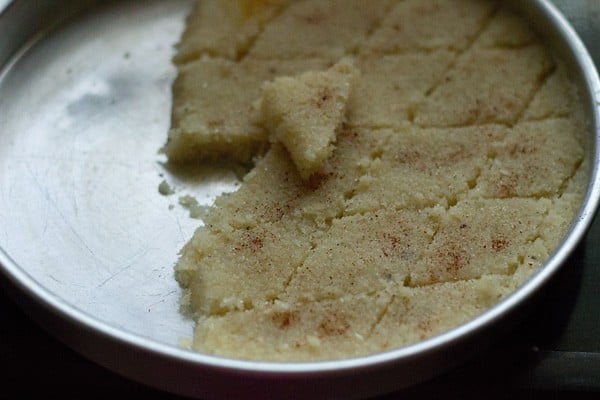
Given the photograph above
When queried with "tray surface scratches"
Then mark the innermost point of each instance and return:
(83, 113)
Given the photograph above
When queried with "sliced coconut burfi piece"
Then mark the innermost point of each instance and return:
(390, 86)
(489, 85)
(305, 112)
(224, 28)
(316, 28)
(213, 114)
(331, 329)
(430, 24)
(537, 159)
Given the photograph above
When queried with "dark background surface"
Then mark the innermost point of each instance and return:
(553, 353)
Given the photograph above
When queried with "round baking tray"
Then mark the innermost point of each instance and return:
(87, 243)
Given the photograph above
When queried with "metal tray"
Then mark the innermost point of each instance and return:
(84, 111)
(87, 242)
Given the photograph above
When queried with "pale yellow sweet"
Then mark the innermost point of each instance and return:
(225, 28)
(213, 112)
(420, 168)
(377, 102)
(305, 112)
(363, 254)
(274, 189)
(328, 329)
(414, 25)
(535, 160)
(231, 47)
(480, 237)
(495, 86)
(556, 97)
(457, 168)
(412, 316)
(316, 28)
(507, 30)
